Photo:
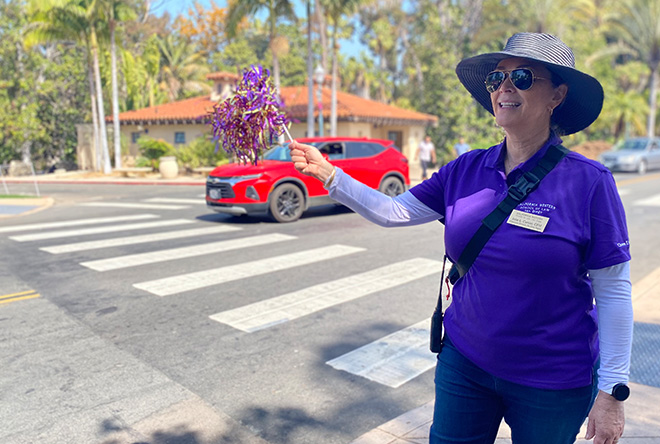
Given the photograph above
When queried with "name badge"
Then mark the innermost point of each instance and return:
(528, 221)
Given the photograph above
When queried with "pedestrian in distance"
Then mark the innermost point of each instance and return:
(523, 339)
(426, 155)
(461, 147)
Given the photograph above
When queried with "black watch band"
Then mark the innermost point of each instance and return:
(620, 392)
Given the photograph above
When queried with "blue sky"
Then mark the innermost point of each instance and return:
(176, 7)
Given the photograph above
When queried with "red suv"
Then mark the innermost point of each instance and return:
(274, 186)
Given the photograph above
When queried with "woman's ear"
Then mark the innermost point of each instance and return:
(559, 95)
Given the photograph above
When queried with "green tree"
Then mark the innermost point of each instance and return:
(336, 9)
(637, 28)
(183, 68)
(241, 9)
(115, 12)
(74, 21)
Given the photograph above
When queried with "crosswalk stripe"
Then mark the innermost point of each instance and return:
(392, 360)
(141, 206)
(653, 201)
(207, 278)
(174, 200)
(152, 257)
(141, 239)
(73, 223)
(267, 313)
(99, 230)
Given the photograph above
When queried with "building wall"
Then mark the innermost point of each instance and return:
(165, 132)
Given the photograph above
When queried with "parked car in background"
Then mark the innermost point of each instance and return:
(637, 154)
(275, 187)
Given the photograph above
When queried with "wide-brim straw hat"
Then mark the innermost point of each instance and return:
(584, 99)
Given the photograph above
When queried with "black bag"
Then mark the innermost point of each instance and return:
(436, 330)
(517, 192)
(438, 317)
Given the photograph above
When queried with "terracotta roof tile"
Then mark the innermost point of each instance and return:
(349, 107)
(183, 110)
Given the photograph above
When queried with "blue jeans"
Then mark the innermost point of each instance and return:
(470, 405)
(425, 165)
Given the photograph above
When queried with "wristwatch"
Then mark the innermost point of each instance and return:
(620, 392)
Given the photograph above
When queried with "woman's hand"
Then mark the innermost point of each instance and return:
(606, 420)
(309, 160)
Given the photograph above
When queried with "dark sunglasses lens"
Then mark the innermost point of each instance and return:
(522, 78)
(494, 80)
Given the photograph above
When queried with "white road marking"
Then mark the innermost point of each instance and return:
(173, 200)
(653, 201)
(152, 257)
(207, 278)
(77, 222)
(623, 192)
(392, 360)
(277, 310)
(99, 230)
(132, 240)
(141, 206)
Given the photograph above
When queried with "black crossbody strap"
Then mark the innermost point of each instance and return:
(517, 192)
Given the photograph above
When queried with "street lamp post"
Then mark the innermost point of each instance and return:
(319, 76)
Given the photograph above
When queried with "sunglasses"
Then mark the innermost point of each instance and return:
(522, 79)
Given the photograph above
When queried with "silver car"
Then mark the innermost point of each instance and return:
(638, 154)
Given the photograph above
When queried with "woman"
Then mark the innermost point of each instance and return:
(522, 339)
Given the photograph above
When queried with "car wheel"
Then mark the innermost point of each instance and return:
(642, 167)
(391, 186)
(287, 203)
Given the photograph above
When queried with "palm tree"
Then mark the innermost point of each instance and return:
(336, 9)
(638, 29)
(182, 69)
(115, 12)
(239, 10)
(73, 21)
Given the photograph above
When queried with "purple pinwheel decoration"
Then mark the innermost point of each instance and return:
(247, 123)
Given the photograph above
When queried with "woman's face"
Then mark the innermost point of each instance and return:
(525, 110)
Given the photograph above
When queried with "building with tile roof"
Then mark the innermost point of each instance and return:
(181, 122)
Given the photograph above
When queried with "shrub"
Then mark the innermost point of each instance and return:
(154, 149)
(200, 152)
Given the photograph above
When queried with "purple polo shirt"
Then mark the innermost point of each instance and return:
(524, 311)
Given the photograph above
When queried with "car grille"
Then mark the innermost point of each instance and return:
(220, 190)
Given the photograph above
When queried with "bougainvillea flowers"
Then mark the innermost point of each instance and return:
(246, 124)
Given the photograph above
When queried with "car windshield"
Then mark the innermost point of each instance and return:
(281, 152)
(633, 144)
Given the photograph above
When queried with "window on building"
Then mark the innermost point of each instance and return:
(179, 137)
(135, 137)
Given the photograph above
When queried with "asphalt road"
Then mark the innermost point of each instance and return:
(118, 347)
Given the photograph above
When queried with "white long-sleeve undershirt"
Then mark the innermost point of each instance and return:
(611, 286)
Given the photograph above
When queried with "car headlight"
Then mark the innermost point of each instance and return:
(250, 177)
(629, 159)
(233, 180)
